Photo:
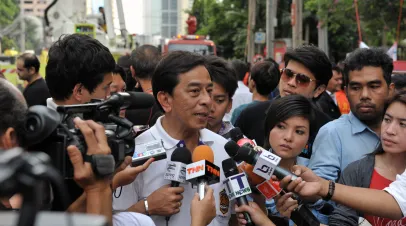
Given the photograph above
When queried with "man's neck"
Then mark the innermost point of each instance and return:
(145, 85)
(216, 128)
(178, 131)
(374, 126)
(258, 97)
(34, 78)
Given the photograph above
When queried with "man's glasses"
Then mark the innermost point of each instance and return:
(301, 79)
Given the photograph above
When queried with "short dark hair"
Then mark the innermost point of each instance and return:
(125, 63)
(222, 74)
(313, 59)
(13, 110)
(241, 68)
(399, 80)
(30, 60)
(374, 57)
(144, 60)
(75, 59)
(119, 70)
(285, 108)
(266, 76)
(336, 68)
(165, 77)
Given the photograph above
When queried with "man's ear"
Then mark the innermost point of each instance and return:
(132, 71)
(9, 139)
(77, 92)
(165, 100)
(319, 91)
(229, 106)
(31, 70)
(392, 90)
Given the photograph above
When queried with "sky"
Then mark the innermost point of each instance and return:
(132, 14)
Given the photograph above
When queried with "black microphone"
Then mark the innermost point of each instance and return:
(237, 186)
(265, 163)
(236, 134)
(129, 100)
(176, 168)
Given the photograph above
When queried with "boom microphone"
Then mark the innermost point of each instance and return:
(129, 100)
(202, 171)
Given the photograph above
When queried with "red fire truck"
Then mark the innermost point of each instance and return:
(192, 43)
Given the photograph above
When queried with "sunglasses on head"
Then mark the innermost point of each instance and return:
(301, 79)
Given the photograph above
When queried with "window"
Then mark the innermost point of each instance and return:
(174, 4)
(165, 4)
(28, 10)
(42, 2)
(173, 18)
(28, 2)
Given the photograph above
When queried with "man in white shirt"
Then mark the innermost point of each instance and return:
(335, 82)
(242, 94)
(182, 86)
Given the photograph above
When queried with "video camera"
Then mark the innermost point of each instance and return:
(53, 131)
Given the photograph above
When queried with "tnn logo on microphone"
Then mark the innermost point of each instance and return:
(237, 186)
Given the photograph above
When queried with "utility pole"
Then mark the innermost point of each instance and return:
(271, 8)
(322, 34)
(252, 4)
(297, 22)
(22, 35)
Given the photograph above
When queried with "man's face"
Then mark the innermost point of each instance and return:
(335, 82)
(118, 84)
(288, 86)
(191, 101)
(221, 105)
(22, 72)
(367, 92)
(101, 92)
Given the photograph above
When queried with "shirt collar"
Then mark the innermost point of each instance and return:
(356, 125)
(158, 132)
(51, 104)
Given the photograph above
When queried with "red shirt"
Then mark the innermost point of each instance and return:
(379, 182)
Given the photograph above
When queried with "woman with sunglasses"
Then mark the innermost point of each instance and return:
(288, 126)
(376, 170)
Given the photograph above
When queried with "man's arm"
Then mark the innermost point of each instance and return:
(326, 157)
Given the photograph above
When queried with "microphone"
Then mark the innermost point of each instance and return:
(202, 171)
(265, 163)
(129, 100)
(237, 186)
(176, 168)
(237, 136)
(151, 150)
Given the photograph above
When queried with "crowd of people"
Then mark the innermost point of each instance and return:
(338, 127)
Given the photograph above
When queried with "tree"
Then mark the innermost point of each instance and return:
(8, 12)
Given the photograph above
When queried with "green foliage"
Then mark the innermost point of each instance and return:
(8, 12)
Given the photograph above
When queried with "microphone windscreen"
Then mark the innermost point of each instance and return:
(140, 100)
(236, 134)
(229, 167)
(231, 148)
(243, 141)
(182, 155)
(203, 152)
(253, 178)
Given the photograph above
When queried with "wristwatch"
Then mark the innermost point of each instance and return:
(146, 206)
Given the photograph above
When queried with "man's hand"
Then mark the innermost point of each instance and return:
(258, 217)
(203, 211)
(96, 141)
(125, 175)
(285, 204)
(165, 201)
(307, 185)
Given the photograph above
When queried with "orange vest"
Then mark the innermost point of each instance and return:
(342, 102)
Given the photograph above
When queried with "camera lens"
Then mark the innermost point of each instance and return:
(32, 124)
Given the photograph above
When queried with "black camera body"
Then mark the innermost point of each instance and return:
(53, 131)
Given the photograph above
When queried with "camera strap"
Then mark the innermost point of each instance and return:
(102, 165)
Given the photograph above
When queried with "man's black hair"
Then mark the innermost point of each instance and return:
(144, 60)
(119, 70)
(241, 68)
(30, 60)
(76, 59)
(166, 75)
(336, 68)
(374, 57)
(313, 59)
(266, 76)
(13, 110)
(399, 80)
(222, 74)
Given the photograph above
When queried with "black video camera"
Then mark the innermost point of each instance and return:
(53, 131)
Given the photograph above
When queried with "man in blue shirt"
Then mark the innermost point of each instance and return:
(367, 77)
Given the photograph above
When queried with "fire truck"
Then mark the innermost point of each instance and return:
(192, 43)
